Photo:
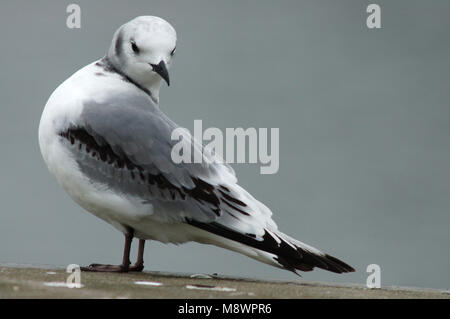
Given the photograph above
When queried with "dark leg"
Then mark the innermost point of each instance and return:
(139, 265)
(124, 267)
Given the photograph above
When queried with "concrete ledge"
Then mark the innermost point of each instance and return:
(18, 281)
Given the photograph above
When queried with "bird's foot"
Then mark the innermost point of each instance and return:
(106, 268)
(136, 267)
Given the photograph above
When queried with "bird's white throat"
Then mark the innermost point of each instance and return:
(140, 75)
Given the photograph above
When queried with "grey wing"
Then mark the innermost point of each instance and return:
(125, 144)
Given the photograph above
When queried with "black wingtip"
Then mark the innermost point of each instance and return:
(343, 267)
(307, 261)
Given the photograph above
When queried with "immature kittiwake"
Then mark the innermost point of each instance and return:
(105, 139)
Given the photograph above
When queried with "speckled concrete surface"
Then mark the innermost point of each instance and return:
(25, 282)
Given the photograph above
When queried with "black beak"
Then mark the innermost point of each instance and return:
(161, 69)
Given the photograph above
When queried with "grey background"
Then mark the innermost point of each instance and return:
(364, 120)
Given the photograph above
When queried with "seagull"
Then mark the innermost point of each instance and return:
(104, 137)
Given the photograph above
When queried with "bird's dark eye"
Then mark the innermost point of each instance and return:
(134, 47)
(173, 51)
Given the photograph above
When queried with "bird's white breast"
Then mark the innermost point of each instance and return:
(63, 109)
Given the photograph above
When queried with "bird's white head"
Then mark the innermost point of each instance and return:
(143, 50)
